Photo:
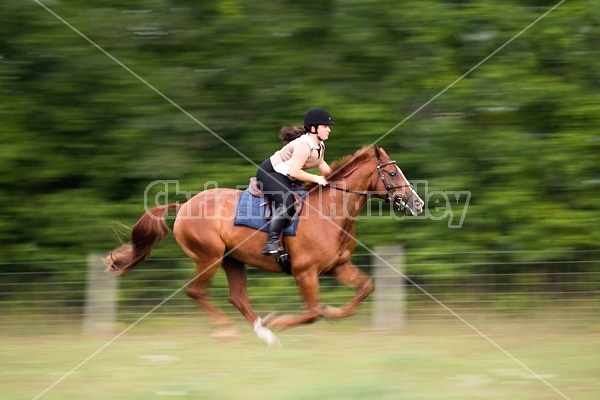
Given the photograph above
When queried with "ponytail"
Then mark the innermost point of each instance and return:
(289, 133)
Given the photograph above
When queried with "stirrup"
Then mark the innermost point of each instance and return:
(273, 248)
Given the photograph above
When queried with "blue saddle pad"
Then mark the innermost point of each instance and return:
(251, 212)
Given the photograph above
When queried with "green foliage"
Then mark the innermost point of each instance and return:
(82, 137)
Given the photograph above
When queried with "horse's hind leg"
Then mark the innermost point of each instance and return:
(237, 278)
(197, 290)
(349, 274)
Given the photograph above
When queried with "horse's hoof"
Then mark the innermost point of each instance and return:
(265, 334)
(267, 321)
(111, 271)
(331, 312)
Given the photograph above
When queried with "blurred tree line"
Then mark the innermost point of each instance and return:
(82, 138)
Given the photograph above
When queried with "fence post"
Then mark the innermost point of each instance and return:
(389, 306)
(100, 297)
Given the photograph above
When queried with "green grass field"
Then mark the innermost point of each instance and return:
(323, 361)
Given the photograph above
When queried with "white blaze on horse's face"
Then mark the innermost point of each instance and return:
(405, 196)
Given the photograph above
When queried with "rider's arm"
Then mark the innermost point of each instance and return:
(324, 168)
(301, 154)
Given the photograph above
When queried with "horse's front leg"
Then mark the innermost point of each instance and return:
(308, 285)
(349, 274)
(238, 295)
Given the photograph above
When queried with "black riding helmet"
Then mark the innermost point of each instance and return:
(317, 116)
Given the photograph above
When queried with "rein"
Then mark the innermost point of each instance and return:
(381, 196)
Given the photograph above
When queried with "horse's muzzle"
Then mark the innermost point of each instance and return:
(411, 204)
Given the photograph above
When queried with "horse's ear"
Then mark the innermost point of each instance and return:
(377, 152)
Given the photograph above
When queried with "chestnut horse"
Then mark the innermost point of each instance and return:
(324, 242)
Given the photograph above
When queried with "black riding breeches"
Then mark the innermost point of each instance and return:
(276, 187)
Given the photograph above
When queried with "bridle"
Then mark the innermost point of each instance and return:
(390, 194)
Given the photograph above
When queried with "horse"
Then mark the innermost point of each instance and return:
(324, 242)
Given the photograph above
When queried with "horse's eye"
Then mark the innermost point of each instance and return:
(392, 174)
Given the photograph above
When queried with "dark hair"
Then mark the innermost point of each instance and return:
(289, 133)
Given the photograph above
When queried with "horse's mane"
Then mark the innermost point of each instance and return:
(345, 163)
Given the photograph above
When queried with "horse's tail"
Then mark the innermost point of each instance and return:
(150, 229)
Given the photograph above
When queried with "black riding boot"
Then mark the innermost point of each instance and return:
(276, 225)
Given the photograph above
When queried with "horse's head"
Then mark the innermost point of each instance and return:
(392, 181)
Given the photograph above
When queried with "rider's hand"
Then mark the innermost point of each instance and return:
(321, 180)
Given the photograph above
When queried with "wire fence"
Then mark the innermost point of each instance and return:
(51, 301)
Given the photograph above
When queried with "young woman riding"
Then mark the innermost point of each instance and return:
(304, 149)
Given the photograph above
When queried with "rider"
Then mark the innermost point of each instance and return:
(304, 149)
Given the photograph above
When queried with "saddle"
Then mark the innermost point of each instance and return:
(254, 188)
